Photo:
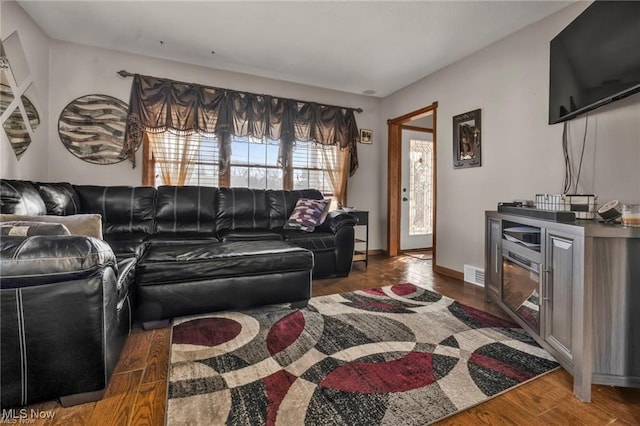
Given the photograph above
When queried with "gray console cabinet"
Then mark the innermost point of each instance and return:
(589, 293)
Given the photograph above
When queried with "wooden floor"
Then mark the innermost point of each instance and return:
(136, 392)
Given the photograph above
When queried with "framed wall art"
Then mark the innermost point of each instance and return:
(467, 135)
(366, 136)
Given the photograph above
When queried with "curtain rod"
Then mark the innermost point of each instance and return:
(125, 73)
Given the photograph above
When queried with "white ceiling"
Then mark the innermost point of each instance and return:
(351, 46)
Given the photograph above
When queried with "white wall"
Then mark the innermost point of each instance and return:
(35, 44)
(81, 70)
(521, 153)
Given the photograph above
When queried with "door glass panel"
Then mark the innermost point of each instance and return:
(420, 186)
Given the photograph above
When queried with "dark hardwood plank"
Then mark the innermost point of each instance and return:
(157, 362)
(135, 351)
(150, 404)
(116, 407)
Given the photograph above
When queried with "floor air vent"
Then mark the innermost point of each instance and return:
(474, 275)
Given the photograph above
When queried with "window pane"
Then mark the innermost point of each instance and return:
(257, 177)
(272, 154)
(300, 155)
(168, 151)
(274, 179)
(239, 152)
(309, 165)
(300, 179)
(239, 176)
(254, 164)
(257, 153)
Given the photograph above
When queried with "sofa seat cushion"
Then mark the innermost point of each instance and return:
(314, 241)
(229, 235)
(127, 245)
(181, 237)
(44, 259)
(175, 263)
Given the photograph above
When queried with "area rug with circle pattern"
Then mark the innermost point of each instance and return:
(396, 355)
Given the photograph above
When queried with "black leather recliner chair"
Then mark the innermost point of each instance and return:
(65, 313)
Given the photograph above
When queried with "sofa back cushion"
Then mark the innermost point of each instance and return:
(186, 209)
(59, 198)
(242, 208)
(283, 201)
(123, 208)
(20, 197)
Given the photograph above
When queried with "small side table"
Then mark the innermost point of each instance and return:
(361, 253)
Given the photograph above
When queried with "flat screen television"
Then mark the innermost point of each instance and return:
(595, 59)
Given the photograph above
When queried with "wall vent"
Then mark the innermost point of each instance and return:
(474, 275)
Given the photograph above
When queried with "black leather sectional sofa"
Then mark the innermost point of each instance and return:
(68, 301)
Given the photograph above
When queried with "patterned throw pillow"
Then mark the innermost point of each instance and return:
(307, 214)
(89, 225)
(28, 229)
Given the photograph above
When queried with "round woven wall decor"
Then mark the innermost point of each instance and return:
(92, 128)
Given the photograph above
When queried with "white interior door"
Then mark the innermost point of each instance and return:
(416, 228)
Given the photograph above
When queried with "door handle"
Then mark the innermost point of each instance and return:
(545, 284)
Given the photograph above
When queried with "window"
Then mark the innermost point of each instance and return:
(254, 163)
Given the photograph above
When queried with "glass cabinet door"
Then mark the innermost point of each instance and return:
(521, 288)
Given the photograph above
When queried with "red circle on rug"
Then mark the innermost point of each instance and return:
(412, 371)
(285, 332)
(404, 289)
(206, 331)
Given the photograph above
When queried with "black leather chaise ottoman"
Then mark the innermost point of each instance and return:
(190, 278)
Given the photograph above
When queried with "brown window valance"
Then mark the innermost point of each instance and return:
(157, 105)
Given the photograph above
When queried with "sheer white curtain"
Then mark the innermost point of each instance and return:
(336, 167)
(175, 154)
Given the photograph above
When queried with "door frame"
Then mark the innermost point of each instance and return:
(394, 174)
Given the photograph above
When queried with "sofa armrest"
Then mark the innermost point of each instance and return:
(335, 221)
(44, 259)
